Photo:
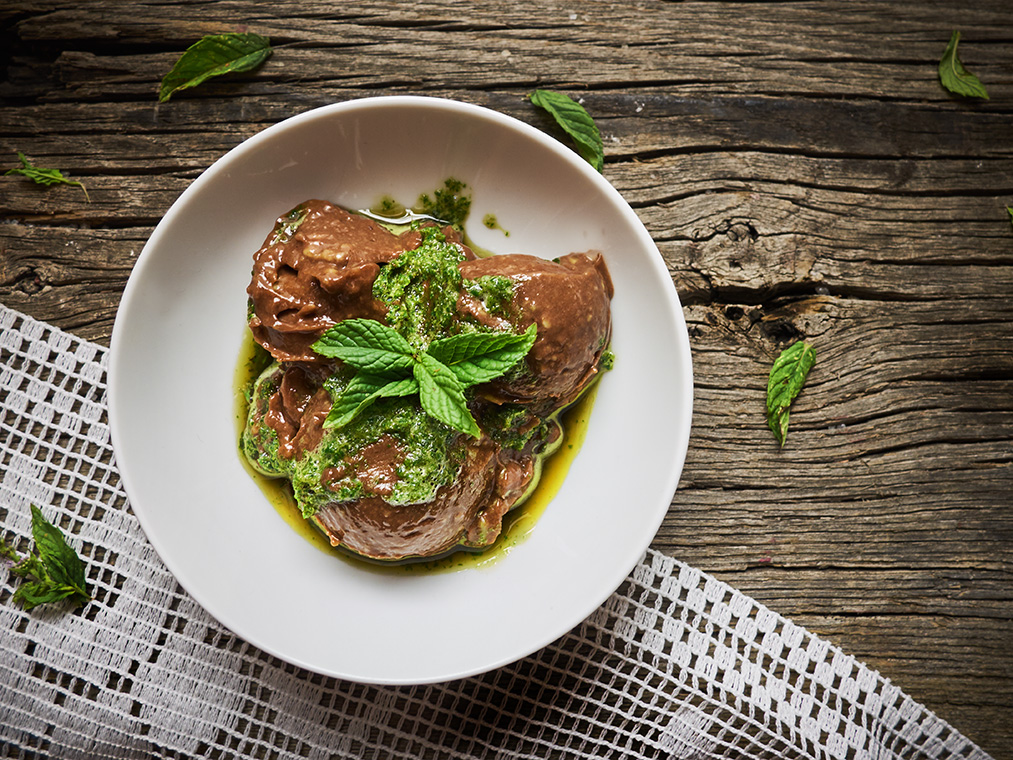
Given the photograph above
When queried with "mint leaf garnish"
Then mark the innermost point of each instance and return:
(53, 573)
(363, 390)
(367, 345)
(442, 395)
(212, 56)
(955, 77)
(389, 366)
(786, 379)
(479, 357)
(575, 121)
(42, 176)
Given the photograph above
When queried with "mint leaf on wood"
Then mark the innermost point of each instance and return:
(42, 176)
(786, 379)
(955, 77)
(575, 121)
(212, 56)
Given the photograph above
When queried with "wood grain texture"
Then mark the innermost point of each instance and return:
(804, 176)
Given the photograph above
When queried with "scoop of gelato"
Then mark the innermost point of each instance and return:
(316, 268)
(568, 300)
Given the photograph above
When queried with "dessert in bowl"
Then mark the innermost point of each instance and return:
(181, 326)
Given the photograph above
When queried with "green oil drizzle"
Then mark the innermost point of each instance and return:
(490, 221)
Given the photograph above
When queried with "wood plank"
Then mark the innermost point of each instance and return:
(785, 50)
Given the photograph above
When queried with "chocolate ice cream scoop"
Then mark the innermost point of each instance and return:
(569, 301)
(316, 268)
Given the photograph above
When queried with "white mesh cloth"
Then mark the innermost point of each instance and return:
(675, 665)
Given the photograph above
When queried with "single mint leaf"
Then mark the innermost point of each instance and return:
(214, 55)
(955, 77)
(481, 357)
(786, 379)
(442, 395)
(367, 345)
(42, 176)
(33, 593)
(575, 121)
(62, 562)
(1010, 211)
(363, 390)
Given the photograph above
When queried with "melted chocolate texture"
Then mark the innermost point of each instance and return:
(372, 527)
(569, 301)
(321, 274)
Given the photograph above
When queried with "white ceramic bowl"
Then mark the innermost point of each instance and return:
(177, 338)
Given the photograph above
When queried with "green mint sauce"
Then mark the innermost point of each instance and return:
(517, 524)
(429, 461)
(420, 288)
(450, 203)
(490, 221)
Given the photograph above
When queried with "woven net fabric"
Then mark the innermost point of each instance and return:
(676, 664)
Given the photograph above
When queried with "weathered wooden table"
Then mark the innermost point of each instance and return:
(804, 175)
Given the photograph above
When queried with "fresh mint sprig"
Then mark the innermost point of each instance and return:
(42, 176)
(786, 378)
(389, 367)
(53, 573)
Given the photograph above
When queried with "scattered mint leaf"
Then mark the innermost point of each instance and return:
(212, 56)
(367, 345)
(955, 77)
(479, 357)
(53, 573)
(63, 563)
(575, 121)
(363, 390)
(786, 379)
(442, 395)
(42, 176)
(1010, 210)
